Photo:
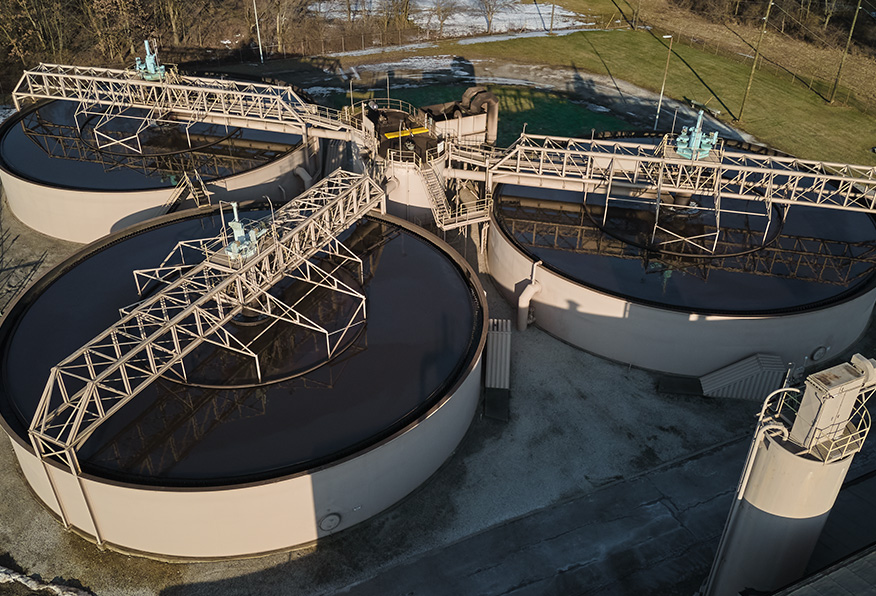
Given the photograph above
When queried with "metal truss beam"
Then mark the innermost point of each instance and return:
(153, 337)
(181, 98)
(597, 165)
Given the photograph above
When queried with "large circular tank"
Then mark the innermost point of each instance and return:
(798, 286)
(224, 465)
(80, 177)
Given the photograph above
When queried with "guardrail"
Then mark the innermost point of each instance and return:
(404, 156)
(855, 431)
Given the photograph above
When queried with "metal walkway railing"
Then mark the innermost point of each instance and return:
(181, 98)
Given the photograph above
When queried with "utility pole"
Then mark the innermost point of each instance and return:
(845, 53)
(756, 56)
(258, 31)
(636, 16)
(663, 86)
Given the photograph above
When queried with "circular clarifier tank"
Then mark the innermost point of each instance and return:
(78, 177)
(693, 293)
(228, 464)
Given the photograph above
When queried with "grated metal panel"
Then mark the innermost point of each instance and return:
(750, 378)
(499, 354)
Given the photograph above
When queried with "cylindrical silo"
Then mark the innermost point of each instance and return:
(798, 460)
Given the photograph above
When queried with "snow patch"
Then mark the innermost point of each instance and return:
(596, 108)
(469, 20)
(519, 17)
(323, 91)
(6, 112)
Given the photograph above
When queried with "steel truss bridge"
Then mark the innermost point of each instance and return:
(582, 165)
(195, 301)
(646, 175)
(181, 416)
(110, 93)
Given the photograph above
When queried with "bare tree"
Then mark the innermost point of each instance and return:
(288, 13)
(120, 25)
(36, 27)
(830, 8)
(443, 10)
(489, 8)
(393, 12)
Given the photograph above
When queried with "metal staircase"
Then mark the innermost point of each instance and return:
(437, 196)
(187, 188)
(455, 213)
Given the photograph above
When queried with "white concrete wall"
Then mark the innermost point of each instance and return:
(77, 215)
(670, 341)
(409, 199)
(466, 128)
(259, 517)
(85, 215)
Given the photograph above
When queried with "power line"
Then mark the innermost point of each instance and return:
(802, 25)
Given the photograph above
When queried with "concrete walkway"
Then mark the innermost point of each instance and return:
(655, 534)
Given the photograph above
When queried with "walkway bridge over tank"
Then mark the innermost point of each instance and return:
(111, 93)
(605, 166)
(621, 170)
(653, 176)
(195, 301)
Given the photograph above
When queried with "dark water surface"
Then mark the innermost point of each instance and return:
(420, 332)
(46, 145)
(762, 280)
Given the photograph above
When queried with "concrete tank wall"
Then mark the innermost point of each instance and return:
(241, 520)
(408, 197)
(85, 215)
(670, 341)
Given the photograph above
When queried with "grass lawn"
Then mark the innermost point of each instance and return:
(787, 116)
(596, 6)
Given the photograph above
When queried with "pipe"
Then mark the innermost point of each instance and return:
(391, 185)
(305, 176)
(492, 121)
(532, 288)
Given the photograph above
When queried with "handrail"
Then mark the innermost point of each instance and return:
(857, 428)
(389, 103)
(404, 156)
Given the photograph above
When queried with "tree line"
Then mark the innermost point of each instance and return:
(109, 32)
(822, 22)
